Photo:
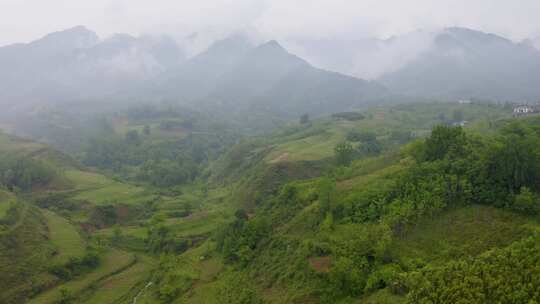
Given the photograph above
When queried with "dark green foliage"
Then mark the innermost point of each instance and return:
(58, 201)
(515, 161)
(24, 253)
(65, 296)
(447, 170)
(161, 239)
(357, 250)
(369, 145)
(239, 240)
(104, 216)
(76, 266)
(162, 164)
(238, 290)
(370, 148)
(173, 155)
(505, 165)
(361, 136)
(344, 153)
(19, 172)
(444, 141)
(526, 202)
(173, 277)
(401, 136)
(510, 275)
(165, 173)
(326, 196)
(352, 116)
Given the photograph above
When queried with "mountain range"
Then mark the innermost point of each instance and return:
(462, 63)
(76, 65)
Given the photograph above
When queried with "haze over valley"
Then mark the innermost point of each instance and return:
(367, 152)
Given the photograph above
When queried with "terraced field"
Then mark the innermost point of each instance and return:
(65, 237)
(122, 287)
(114, 261)
(99, 189)
(317, 141)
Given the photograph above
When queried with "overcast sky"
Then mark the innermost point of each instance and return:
(25, 20)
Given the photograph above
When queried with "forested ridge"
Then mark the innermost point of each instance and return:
(355, 229)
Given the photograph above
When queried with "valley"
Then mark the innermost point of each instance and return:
(314, 211)
(306, 153)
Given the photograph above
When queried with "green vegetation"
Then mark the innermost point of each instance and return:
(6, 201)
(24, 173)
(113, 262)
(449, 198)
(502, 275)
(387, 205)
(65, 237)
(24, 254)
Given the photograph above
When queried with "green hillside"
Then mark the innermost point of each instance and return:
(385, 205)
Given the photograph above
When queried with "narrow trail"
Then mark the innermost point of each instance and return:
(141, 292)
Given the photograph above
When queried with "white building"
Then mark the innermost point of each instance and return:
(523, 110)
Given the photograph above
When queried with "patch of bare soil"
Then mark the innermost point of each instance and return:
(321, 264)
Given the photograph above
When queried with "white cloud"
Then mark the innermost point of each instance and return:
(24, 20)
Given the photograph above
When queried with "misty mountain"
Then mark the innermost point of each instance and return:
(195, 78)
(284, 83)
(233, 75)
(367, 58)
(463, 63)
(28, 69)
(75, 64)
(533, 42)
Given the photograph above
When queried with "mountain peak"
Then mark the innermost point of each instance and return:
(76, 31)
(272, 45)
(270, 49)
(72, 38)
(470, 35)
(231, 44)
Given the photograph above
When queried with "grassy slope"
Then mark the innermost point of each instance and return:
(113, 261)
(318, 141)
(463, 232)
(213, 209)
(13, 144)
(119, 288)
(43, 237)
(6, 198)
(208, 212)
(65, 237)
(466, 231)
(205, 274)
(24, 253)
(98, 189)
